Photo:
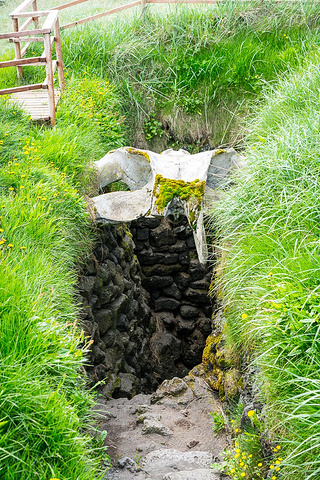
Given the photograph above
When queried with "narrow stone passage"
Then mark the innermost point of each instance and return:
(166, 435)
(147, 309)
(146, 305)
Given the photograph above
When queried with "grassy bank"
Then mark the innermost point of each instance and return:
(44, 235)
(188, 75)
(270, 266)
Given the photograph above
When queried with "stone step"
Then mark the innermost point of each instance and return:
(165, 461)
(166, 464)
(199, 474)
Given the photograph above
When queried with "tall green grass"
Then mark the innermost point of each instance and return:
(270, 265)
(45, 233)
(195, 69)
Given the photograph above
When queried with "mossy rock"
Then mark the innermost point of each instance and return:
(209, 352)
(223, 359)
(214, 378)
(135, 151)
(165, 189)
(231, 384)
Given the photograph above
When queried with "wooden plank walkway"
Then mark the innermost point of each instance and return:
(35, 103)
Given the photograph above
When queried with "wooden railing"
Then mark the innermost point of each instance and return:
(136, 3)
(37, 34)
(43, 34)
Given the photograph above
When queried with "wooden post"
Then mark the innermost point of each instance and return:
(49, 70)
(35, 19)
(17, 46)
(57, 38)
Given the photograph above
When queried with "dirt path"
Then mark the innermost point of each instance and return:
(166, 435)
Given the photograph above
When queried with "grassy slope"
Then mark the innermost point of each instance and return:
(270, 272)
(195, 70)
(44, 234)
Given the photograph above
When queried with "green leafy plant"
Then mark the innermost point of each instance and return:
(152, 128)
(219, 423)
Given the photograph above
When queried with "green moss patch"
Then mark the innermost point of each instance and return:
(165, 189)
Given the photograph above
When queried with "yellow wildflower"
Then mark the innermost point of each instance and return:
(244, 316)
(251, 413)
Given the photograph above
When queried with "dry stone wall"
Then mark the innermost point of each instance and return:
(145, 305)
(178, 286)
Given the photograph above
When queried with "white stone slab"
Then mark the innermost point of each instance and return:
(139, 168)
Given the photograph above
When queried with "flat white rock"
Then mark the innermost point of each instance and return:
(170, 459)
(199, 474)
(139, 168)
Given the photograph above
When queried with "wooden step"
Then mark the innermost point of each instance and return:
(35, 103)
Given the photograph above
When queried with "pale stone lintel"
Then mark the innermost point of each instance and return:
(139, 168)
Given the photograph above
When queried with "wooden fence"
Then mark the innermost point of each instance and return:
(49, 34)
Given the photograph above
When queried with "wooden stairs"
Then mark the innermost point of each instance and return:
(35, 103)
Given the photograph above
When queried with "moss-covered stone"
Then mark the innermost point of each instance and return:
(213, 374)
(165, 189)
(231, 384)
(208, 356)
(223, 359)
